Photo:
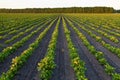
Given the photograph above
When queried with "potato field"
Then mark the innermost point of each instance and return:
(59, 46)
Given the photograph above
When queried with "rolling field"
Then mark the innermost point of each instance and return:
(59, 47)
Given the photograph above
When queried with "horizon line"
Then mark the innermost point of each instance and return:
(59, 7)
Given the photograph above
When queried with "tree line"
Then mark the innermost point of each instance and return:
(117, 11)
(61, 10)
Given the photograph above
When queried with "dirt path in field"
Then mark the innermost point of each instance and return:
(98, 34)
(18, 39)
(4, 66)
(18, 27)
(111, 57)
(94, 69)
(29, 70)
(63, 71)
(2, 45)
(111, 34)
(11, 35)
(114, 30)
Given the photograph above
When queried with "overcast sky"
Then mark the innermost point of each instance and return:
(58, 3)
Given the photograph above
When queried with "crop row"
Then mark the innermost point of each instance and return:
(23, 23)
(19, 61)
(111, 32)
(19, 21)
(99, 39)
(11, 49)
(110, 37)
(106, 29)
(14, 30)
(98, 54)
(22, 33)
(77, 64)
(47, 64)
(105, 34)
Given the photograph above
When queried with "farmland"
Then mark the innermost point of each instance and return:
(59, 46)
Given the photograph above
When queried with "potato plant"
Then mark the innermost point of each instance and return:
(98, 55)
(47, 64)
(19, 61)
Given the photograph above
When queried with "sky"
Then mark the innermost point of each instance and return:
(58, 3)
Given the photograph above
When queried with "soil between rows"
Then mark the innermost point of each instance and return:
(29, 69)
(94, 70)
(103, 37)
(16, 40)
(11, 35)
(63, 71)
(111, 34)
(4, 66)
(111, 57)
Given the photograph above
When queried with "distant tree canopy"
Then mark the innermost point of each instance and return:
(117, 11)
(61, 10)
